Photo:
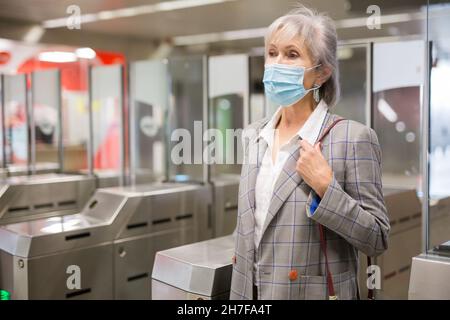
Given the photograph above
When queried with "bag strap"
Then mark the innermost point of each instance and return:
(328, 129)
(370, 292)
(323, 240)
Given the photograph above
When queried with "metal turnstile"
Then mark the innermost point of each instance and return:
(199, 271)
(112, 243)
(430, 277)
(44, 195)
(225, 194)
(430, 272)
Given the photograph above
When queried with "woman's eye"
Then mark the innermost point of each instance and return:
(272, 54)
(293, 54)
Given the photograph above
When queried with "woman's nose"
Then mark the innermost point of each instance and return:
(279, 59)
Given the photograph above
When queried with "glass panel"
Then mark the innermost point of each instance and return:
(353, 80)
(186, 113)
(397, 85)
(149, 86)
(107, 118)
(16, 129)
(2, 102)
(439, 148)
(75, 113)
(257, 97)
(228, 96)
(46, 93)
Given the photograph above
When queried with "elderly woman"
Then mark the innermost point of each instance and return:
(306, 207)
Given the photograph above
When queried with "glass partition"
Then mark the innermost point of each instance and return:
(397, 101)
(438, 228)
(228, 110)
(2, 110)
(46, 118)
(16, 122)
(149, 97)
(75, 115)
(188, 100)
(354, 75)
(257, 98)
(107, 120)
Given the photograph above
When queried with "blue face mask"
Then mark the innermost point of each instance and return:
(283, 83)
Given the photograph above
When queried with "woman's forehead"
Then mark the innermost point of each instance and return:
(282, 41)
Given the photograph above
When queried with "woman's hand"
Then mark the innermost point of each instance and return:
(314, 168)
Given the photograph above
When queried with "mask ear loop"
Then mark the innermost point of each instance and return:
(315, 88)
(316, 94)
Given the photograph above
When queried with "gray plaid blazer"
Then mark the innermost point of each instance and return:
(290, 261)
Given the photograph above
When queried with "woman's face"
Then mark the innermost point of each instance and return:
(292, 52)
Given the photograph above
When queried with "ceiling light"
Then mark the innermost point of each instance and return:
(57, 56)
(219, 36)
(344, 53)
(85, 53)
(34, 34)
(386, 110)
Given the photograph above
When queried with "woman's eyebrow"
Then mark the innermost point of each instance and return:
(292, 46)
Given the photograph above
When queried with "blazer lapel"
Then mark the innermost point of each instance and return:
(256, 149)
(253, 169)
(289, 179)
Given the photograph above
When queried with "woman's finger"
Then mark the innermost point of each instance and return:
(305, 145)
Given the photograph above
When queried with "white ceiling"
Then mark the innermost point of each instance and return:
(220, 17)
(234, 15)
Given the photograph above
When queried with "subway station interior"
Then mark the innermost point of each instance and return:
(97, 95)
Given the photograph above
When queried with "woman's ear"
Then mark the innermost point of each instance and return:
(323, 75)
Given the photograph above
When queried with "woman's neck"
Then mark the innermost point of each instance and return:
(296, 115)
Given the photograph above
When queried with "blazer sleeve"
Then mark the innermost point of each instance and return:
(358, 212)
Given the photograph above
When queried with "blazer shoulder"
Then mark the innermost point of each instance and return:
(257, 124)
(354, 131)
(252, 129)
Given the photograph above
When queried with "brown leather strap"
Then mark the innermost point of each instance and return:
(328, 129)
(323, 241)
(370, 294)
(330, 284)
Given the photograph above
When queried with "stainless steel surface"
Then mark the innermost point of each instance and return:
(30, 197)
(201, 269)
(111, 178)
(425, 146)
(430, 277)
(205, 111)
(40, 168)
(113, 240)
(225, 195)
(405, 215)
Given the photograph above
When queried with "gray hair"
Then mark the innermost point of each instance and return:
(318, 33)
